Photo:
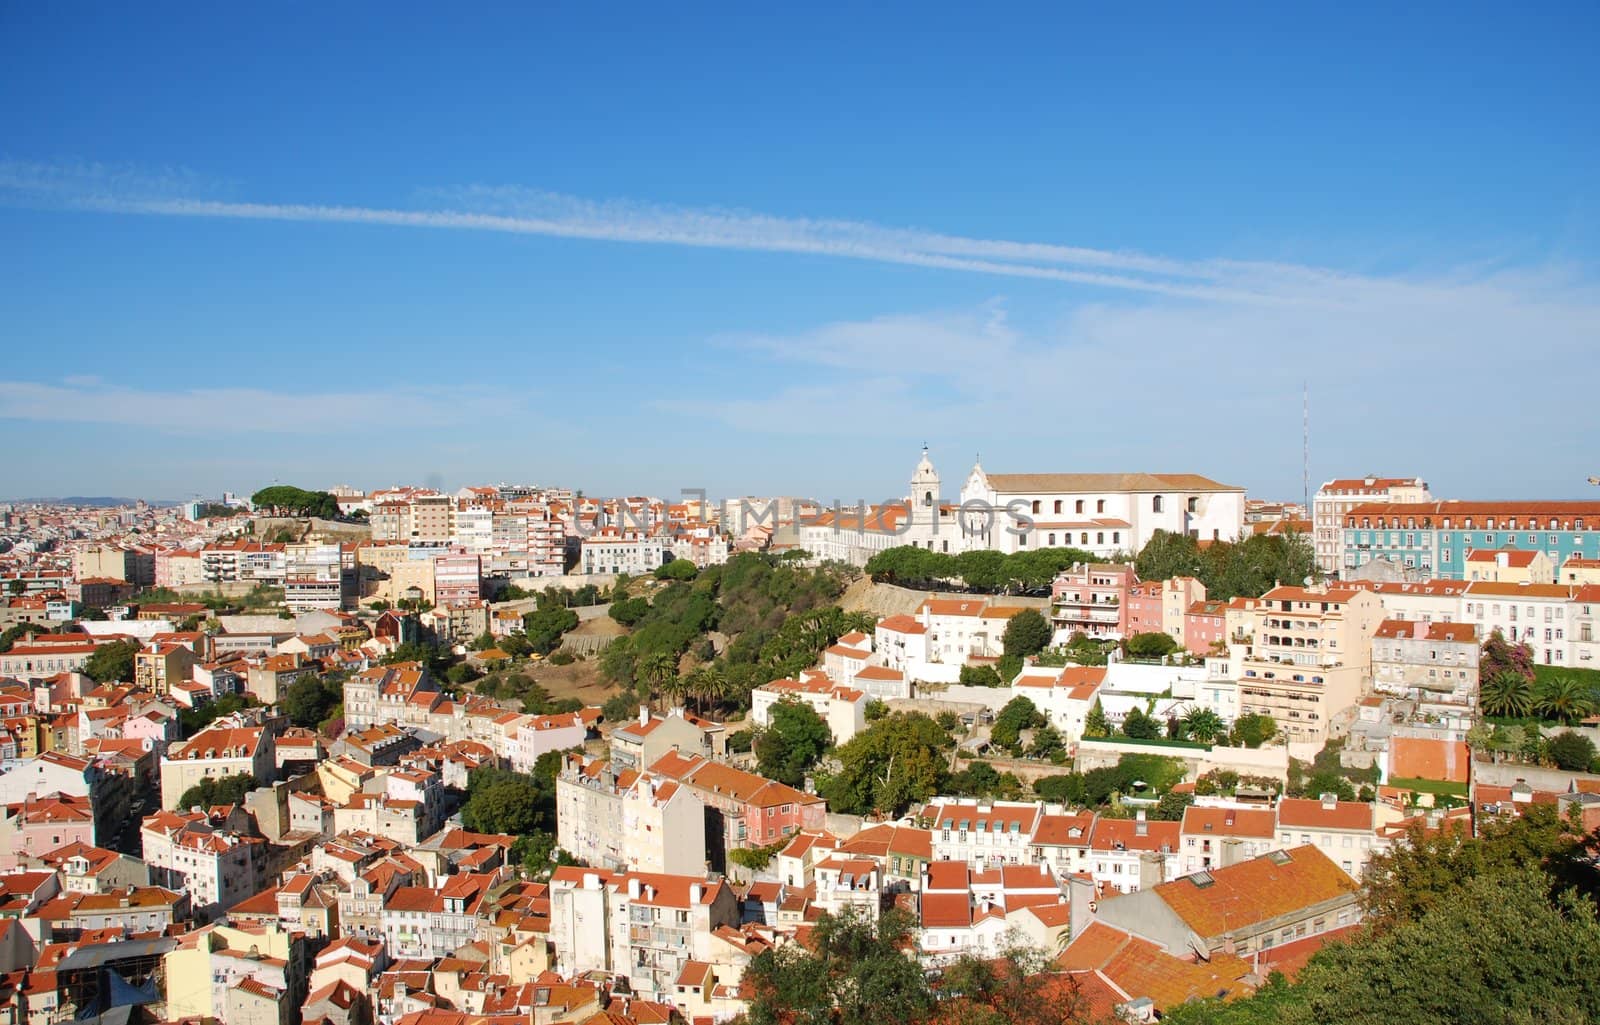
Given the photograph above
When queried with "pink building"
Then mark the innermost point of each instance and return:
(1204, 626)
(1144, 607)
(1092, 600)
(42, 824)
(457, 579)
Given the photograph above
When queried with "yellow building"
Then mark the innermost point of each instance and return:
(1508, 566)
(1309, 657)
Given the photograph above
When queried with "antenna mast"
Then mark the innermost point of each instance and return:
(1305, 447)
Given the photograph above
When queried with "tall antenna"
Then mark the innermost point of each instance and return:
(1305, 446)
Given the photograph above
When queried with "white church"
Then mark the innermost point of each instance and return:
(1102, 513)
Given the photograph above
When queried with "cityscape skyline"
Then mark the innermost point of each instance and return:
(1078, 266)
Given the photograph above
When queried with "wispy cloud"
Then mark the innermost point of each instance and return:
(517, 210)
(223, 410)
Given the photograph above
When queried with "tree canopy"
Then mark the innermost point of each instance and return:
(112, 663)
(287, 500)
(218, 790)
(1247, 568)
(793, 740)
(894, 762)
(983, 571)
(1027, 633)
(544, 628)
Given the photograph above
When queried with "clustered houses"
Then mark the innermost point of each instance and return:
(342, 887)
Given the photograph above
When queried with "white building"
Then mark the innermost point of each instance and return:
(1102, 513)
(611, 551)
(843, 708)
(1531, 614)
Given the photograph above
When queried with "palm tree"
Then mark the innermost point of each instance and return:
(1506, 694)
(1203, 724)
(708, 685)
(1565, 698)
(655, 669)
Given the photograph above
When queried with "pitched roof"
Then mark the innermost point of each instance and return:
(1074, 483)
(1255, 891)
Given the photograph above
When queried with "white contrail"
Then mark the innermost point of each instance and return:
(522, 211)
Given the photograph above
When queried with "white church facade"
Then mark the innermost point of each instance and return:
(1105, 514)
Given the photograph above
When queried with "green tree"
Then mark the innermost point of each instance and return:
(1171, 806)
(1167, 555)
(1533, 960)
(220, 790)
(1570, 751)
(655, 671)
(1066, 788)
(287, 500)
(512, 803)
(1507, 693)
(1018, 714)
(1138, 726)
(482, 642)
(981, 676)
(112, 663)
(1095, 724)
(897, 760)
(1252, 730)
(1203, 724)
(677, 569)
(982, 569)
(851, 970)
(544, 628)
(1151, 645)
(790, 745)
(1026, 634)
(1565, 699)
(629, 611)
(309, 700)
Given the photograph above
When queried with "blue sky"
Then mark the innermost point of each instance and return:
(638, 250)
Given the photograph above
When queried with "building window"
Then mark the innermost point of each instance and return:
(1036, 505)
(1155, 504)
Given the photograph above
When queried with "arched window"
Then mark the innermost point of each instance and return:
(1155, 504)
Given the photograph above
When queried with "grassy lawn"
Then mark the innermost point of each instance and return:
(1437, 787)
(1589, 676)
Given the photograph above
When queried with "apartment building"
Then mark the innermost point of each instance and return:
(457, 578)
(1523, 613)
(644, 926)
(1092, 600)
(613, 551)
(316, 577)
(1509, 566)
(629, 821)
(1337, 497)
(1345, 831)
(1161, 606)
(984, 834)
(1434, 662)
(1128, 855)
(1216, 837)
(252, 562)
(1435, 537)
(1309, 656)
(215, 753)
(211, 860)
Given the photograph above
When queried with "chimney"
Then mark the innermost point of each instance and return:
(696, 893)
(1081, 906)
(1329, 801)
(1140, 826)
(644, 715)
(635, 888)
